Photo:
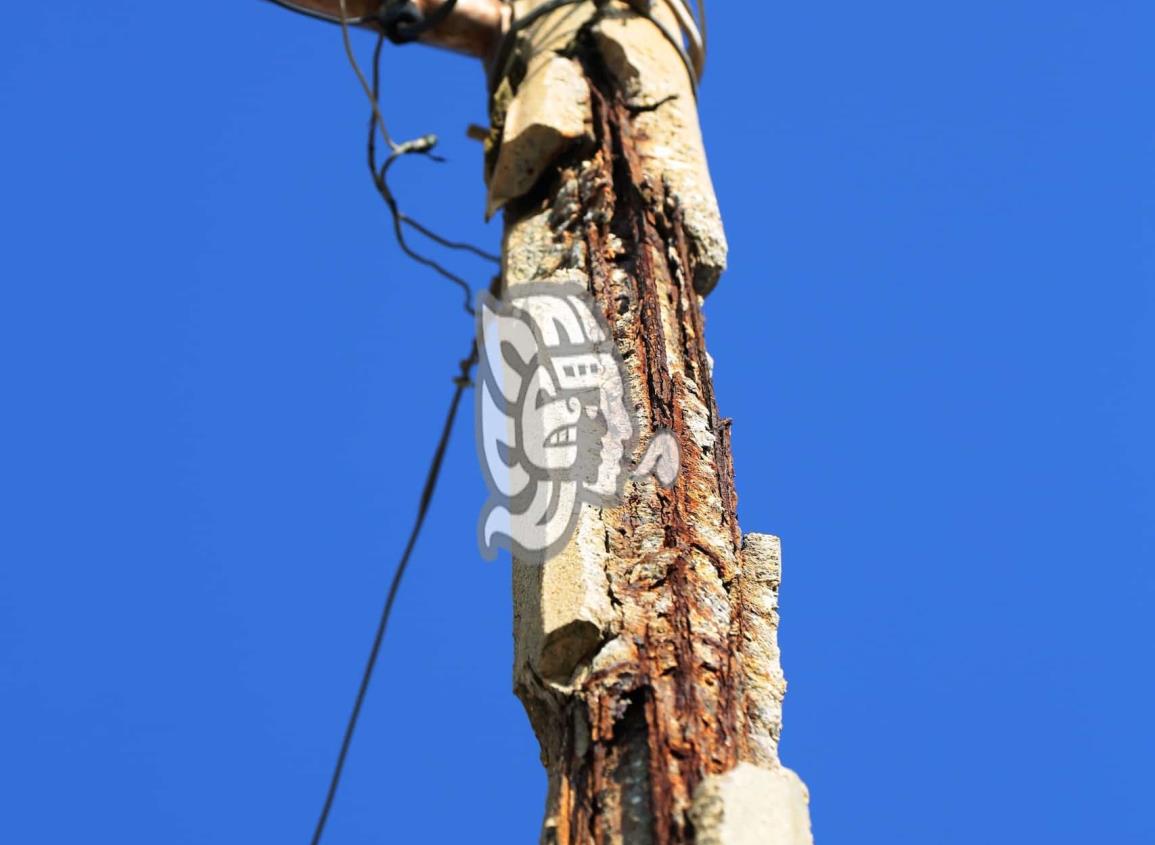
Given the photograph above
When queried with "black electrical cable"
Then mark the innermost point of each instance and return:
(461, 382)
(380, 175)
(423, 146)
(400, 22)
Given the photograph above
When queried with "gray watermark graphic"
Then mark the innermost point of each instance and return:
(556, 426)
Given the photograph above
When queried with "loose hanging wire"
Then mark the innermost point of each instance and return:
(462, 381)
(401, 31)
(423, 145)
(380, 173)
(693, 53)
(691, 22)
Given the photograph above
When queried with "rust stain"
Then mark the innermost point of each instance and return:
(670, 715)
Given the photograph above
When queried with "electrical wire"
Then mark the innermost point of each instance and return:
(374, 100)
(701, 4)
(693, 57)
(319, 16)
(380, 174)
(461, 382)
(423, 145)
(697, 48)
(693, 25)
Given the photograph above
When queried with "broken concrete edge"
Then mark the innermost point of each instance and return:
(568, 613)
(550, 111)
(749, 805)
(639, 645)
(568, 626)
(541, 108)
(762, 679)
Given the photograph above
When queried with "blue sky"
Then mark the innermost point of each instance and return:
(222, 383)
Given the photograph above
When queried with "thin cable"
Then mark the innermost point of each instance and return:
(422, 145)
(689, 27)
(461, 382)
(448, 244)
(353, 63)
(315, 15)
(702, 28)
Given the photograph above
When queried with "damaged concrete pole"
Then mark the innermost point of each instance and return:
(646, 651)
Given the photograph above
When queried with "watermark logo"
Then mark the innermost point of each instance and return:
(556, 427)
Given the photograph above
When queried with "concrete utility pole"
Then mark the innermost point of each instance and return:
(646, 651)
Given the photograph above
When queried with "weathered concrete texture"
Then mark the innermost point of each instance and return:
(564, 608)
(540, 103)
(752, 806)
(550, 112)
(667, 130)
(763, 684)
(541, 109)
(646, 651)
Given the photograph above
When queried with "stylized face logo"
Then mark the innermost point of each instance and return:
(549, 424)
(554, 427)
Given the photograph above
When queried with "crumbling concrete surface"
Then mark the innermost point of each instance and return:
(646, 652)
(752, 806)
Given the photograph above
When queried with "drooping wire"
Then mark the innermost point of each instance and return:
(380, 173)
(423, 146)
(374, 102)
(462, 381)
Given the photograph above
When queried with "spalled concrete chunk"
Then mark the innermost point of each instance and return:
(752, 806)
(563, 606)
(763, 684)
(550, 111)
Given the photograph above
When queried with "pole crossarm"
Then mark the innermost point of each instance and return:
(472, 27)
